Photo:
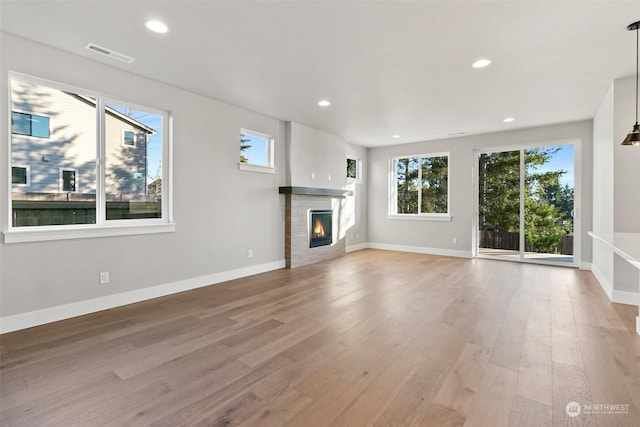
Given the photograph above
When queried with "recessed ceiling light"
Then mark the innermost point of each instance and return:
(156, 27)
(324, 103)
(508, 119)
(481, 63)
(395, 136)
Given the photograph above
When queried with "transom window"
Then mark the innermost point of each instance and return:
(103, 163)
(256, 151)
(354, 166)
(420, 185)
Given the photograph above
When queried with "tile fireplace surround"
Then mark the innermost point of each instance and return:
(299, 201)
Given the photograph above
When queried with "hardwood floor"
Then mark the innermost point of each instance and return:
(375, 338)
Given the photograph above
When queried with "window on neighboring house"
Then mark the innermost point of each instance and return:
(20, 176)
(68, 180)
(29, 125)
(256, 151)
(420, 185)
(354, 166)
(112, 188)
(128, 138)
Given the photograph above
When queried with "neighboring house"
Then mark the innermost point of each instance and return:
(155, 188)
(53, 145)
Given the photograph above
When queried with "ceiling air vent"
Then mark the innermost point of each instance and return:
(110, 53)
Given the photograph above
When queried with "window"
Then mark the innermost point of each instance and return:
(68, 180)
(128, 138)
(29, 125)
(83, 174)
(420, 185)
(354, 169)
(256, 151)
(20, 176)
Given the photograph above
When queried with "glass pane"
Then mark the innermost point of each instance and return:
(352, 168)
(254, 150)
(434, 184)
(72, 146)
(133, 173)
(407, 185)
(40, 126)
(18, 175)
(68, 181)
(21, 123)
(548, 220)
(499, 203)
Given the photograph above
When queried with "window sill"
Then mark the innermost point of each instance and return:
(38, 234)
(256, 168)
(423, 217)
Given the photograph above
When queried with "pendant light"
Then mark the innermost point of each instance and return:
(633, 138)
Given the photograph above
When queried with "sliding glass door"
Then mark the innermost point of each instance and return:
(525, 204)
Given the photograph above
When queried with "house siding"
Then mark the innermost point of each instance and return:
(72, 145)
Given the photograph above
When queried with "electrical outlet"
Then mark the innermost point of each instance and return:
(104, 277)
(455, 241)
(250, 253)
(313, 175)
(329, 177)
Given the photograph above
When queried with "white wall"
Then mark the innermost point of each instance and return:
(603, 189)
(316, 158)
(439, 235)
(616, 192)
(357, 230)
(220, 211)
(626, 159)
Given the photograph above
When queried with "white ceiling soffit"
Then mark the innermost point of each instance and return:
(388, 67)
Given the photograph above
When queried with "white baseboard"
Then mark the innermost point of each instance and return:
(585, 266)
(421, 250)
(629, 298)
(604, 283)
(358, 247)
(67, 311)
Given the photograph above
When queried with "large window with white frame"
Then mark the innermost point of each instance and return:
(420, 186)
(116, 150)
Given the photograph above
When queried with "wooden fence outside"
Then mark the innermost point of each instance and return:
(511, 241)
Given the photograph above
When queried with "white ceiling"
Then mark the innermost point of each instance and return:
(388, 67)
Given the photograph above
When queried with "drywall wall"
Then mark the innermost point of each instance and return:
(315, 158)
(357, 204)
(438, 237)
(626, 159)
(221, 212)
(603, 190)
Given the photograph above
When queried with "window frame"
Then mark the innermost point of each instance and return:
(31, 115)
(270, 149)
(393, 196)
(102, 227)
(28, 176)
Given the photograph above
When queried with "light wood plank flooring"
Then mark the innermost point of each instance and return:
(375, 338)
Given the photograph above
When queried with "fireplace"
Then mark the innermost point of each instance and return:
(320, 228)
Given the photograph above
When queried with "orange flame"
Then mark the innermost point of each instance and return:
(318, 229)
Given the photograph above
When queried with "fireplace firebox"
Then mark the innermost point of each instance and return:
(320, 228)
